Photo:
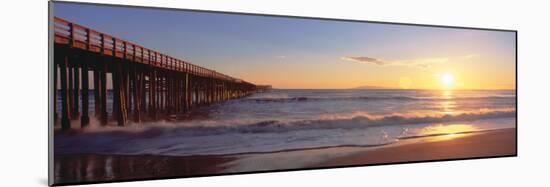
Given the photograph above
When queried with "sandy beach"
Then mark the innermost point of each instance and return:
(482, 144)
(126, 167)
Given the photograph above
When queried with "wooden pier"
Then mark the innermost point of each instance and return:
(146, 84)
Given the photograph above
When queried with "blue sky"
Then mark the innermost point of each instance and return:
(308, 53)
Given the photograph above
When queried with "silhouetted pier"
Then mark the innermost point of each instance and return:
(146, 84)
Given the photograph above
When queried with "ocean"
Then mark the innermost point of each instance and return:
(290, 119)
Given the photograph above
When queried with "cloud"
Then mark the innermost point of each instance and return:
(364, 59)
(420, 63)
(470, 56)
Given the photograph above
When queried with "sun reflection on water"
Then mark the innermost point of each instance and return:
(448, 129)
(447, 94)
(443, 132)
(448, 105)
(447, 137)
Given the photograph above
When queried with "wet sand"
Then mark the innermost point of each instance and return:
(76, 168)
(483, 144)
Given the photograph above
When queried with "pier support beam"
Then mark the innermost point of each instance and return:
(136, 94)
(97, 104)
(75, 79)
(119, 95)
(153, 95)
(103, 94)
(63, 60)
(84, 118)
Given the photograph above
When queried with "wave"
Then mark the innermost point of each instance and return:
(369, 121)
(372, 98)
(323, 123)
(231, 137)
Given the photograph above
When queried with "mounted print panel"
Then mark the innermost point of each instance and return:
(143, 93)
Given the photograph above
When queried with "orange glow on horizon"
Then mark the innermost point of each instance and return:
(448, 76)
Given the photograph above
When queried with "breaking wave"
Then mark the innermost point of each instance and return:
(330, 122)
(372, 98)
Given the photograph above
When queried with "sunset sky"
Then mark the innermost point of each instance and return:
(308, 53)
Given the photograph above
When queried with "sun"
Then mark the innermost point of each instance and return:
(447, 80)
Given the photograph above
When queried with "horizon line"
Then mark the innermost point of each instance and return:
(389, 89)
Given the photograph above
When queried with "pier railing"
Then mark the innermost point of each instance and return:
(84, 38)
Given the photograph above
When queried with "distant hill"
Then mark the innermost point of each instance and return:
(367, 87)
